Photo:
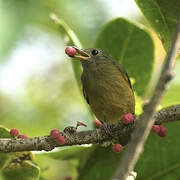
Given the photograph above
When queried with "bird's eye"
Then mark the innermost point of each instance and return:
(94, 52)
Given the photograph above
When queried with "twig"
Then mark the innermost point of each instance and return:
(145, 120)
(84, 137)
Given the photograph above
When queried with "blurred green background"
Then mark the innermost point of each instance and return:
(38, 90)
(37, 82)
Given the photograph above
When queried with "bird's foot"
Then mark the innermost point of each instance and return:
(107, 129)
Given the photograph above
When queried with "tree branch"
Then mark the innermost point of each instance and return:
(145, 120)
(85, 137)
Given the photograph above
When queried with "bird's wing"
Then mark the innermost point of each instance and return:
(124, 73)
(85, 95)
(84, 91)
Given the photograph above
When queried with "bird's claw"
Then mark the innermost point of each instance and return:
(106, 129)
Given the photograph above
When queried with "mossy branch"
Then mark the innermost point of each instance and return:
(121, 130)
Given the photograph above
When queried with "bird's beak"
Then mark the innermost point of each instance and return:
(83, 55)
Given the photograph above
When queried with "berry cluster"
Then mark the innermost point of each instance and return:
(55, 134)
(126, 119)
(160, 130)
(15, 133)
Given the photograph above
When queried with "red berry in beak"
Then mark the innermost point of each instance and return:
(70, 51)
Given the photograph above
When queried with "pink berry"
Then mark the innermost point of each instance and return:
(155, 129)
(117, 148)
(163, 131)
(14, 132)
(60, 140)
(98, 123)
(81, 124)
(55, 133)
(22, 136)
(68, 178)
(70, 51)
(128, 118)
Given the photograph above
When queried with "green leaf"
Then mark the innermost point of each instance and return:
(53, 167)
(95, 162)
(1, 176)
(7, 158)
(4, 132)
(138, 105)
(162, 16)
(172, 96)
(132, 46)
(100, 164)
(72, 40)
(25, 171)
(160, 159)
(80, 153)
(68, 153)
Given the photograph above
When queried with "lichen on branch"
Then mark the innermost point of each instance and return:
(122, 131)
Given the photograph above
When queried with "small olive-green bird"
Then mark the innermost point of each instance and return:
(106, 85)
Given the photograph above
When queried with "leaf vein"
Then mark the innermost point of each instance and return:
(162, 16)
(163, 172)
(123, 50)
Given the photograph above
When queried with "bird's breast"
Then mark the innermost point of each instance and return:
(108, 93)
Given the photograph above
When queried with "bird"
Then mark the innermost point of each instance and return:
(105, 84)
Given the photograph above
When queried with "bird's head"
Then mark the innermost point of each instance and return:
(91, 56)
